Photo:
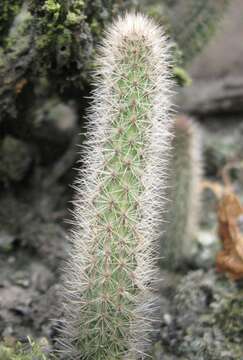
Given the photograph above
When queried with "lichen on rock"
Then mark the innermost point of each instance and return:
(206, 319)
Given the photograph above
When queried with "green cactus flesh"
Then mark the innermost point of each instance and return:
(108, 299)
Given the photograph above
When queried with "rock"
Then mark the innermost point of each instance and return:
(15, 159)
(13, 213)
(54, 123)
(37, 60)
(46, 239)
(21, 278)
(221, 145)
(206, 319)
(41, 277)
(45, 309)
(205, 98)
(15, 308)
(207, 247)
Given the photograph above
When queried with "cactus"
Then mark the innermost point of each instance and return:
(177, 243)
(199, 20)
(111, 277)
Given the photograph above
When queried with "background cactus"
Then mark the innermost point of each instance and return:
(190, 23)
(199, 21)
(112, 269)
(184, 194)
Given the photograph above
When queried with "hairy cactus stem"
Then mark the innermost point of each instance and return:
(182, 216)
(111, 276)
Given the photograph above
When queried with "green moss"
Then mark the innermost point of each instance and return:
(58, 32)
(52, 7)
(181, 75)
(208, 319)
(65, 35)
(2, 58)
(95, 26)
(52, 39)
(31, 350)
(73, 18)
(19, 37)
(229, 316)
(75, 14)
(6, 353)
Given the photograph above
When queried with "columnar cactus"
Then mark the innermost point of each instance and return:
(112, 269)
(199, 20)
(181, 219)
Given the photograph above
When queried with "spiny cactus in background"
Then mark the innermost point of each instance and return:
(184, 194)
(112, 271)
(198, 22)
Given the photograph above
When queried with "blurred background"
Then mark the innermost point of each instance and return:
(47, 50)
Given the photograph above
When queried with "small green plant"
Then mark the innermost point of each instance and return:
(181, 219)
(18, 351)
(112, 273)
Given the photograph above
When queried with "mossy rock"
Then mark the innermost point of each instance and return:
(8, 9)
(52, 40)
(206, 319)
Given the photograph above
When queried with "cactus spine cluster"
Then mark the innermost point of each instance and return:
(178, 241)
(112, 268)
